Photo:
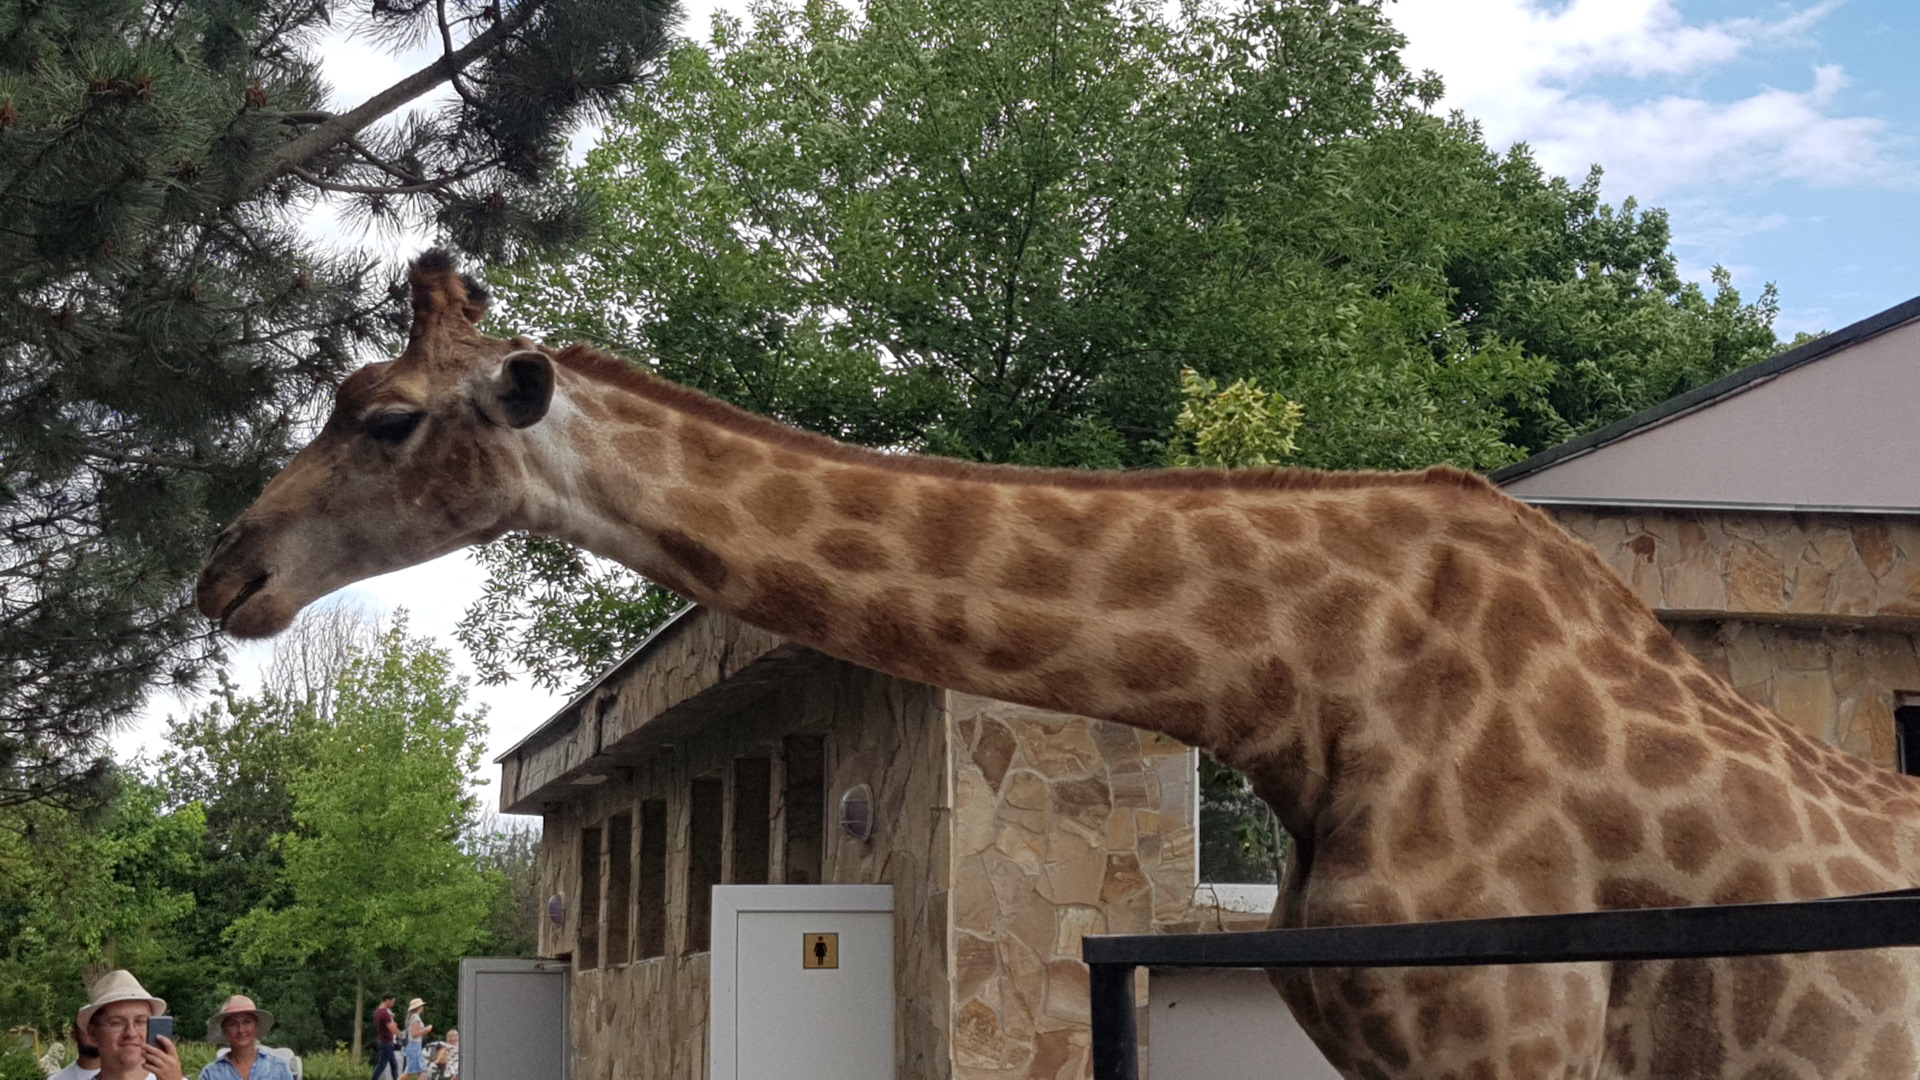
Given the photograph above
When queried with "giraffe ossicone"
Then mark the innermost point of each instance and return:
(1455, 707)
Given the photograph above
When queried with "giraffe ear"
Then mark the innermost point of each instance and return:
(521, 391)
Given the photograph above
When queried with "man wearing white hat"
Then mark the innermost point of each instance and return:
(239, 1024)
(116, 1022)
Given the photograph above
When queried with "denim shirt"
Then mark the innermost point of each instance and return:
(265, 1067)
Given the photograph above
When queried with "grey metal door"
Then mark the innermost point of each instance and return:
(514, 1021)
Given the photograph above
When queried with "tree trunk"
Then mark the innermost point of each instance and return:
(359, 1014)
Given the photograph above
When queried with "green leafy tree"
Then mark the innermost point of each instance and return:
(375, 868)
(80, 892)
(1000, 230)
(164, 330)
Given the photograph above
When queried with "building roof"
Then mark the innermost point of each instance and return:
(698, 666)
(1831, 425)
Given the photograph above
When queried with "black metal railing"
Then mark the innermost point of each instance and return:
(1874, 921)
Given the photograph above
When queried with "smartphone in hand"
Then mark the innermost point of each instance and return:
(158, 1026)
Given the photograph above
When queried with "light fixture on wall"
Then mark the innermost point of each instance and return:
(557, 910)
(856, 812)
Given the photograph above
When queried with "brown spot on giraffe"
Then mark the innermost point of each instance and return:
(781, 504)
(1148, 570)
(1572, 720)
(1026, 639)
(1874, 835)
(1033, 571)
(1820, 1030)
(1760, 805)
(860, 495)
(1281, 524)
(1234, 613)
(949, 526)
(1267, 696)
(1689, 838)
(1515, 627)
(1686, 1032)
(1540, 868)
(1659, 758)
(1075, 525)
(1750, 882)
(1357, 540)
(1452, 591)
(1609, 822)
(1223, 541)
(710, 457)
(851, 551)
(1498, 778)
(1154, 662)
(1759, 982)
(1421, 831)
(1330, 623)
(1436, 693)
(699, 560)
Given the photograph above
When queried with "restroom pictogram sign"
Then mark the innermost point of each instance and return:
(822, 951)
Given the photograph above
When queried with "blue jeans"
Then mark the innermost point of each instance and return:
(385, 1060)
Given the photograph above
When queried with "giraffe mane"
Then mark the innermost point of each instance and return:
(608, 367)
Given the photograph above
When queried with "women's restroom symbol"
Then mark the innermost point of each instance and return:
(822, 951)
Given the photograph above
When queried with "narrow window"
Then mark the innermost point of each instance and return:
(752, 827)
(705, 840)
(1906, 738)
(619, 888)
(652, 913)
(805, 808)
(589, 899)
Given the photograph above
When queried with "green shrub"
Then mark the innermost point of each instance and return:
(335, 1065)
(17, 1063)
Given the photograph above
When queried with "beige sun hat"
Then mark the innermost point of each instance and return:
(416, 1003)
(116, 985)
(237, 1004)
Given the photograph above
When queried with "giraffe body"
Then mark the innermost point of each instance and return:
(1455, 708)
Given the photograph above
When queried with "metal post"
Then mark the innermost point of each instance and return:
(1116, 1038)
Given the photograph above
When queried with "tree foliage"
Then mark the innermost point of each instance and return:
(165, 331)
(185, 875)
(1001, 230)
(375, 866)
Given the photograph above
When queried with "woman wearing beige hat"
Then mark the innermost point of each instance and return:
(239, 1024)
(417, 1029)
(116, 1022)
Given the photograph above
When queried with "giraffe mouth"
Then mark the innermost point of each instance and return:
(245, 594)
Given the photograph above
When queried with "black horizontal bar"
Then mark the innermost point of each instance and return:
(1636, 934)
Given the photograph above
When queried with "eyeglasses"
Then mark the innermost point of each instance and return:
(117, 1024)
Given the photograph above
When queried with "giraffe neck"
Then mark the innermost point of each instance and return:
(1256, 615)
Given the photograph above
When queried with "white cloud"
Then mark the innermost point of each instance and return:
(1529, 74)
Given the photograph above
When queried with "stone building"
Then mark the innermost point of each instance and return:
(717, 753)
(1772, 521)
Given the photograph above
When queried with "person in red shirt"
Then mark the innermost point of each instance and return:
(385, 1034)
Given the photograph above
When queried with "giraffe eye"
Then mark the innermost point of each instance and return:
(392, 426)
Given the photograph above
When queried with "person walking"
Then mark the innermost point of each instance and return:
(417, 1030)
(385, 1035)
(239, 1024)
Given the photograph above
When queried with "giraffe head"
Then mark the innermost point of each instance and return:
(421, 456)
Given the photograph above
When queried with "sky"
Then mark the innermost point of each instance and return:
(1783, 140)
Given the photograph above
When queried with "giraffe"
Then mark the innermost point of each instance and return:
(1454, 707)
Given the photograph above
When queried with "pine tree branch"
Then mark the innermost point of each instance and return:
(331, 133)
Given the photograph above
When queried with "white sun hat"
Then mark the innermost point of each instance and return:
(117, 985)
(237, 1004)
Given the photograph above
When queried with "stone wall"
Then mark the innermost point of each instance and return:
(1814, 615)
(1063, 827)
